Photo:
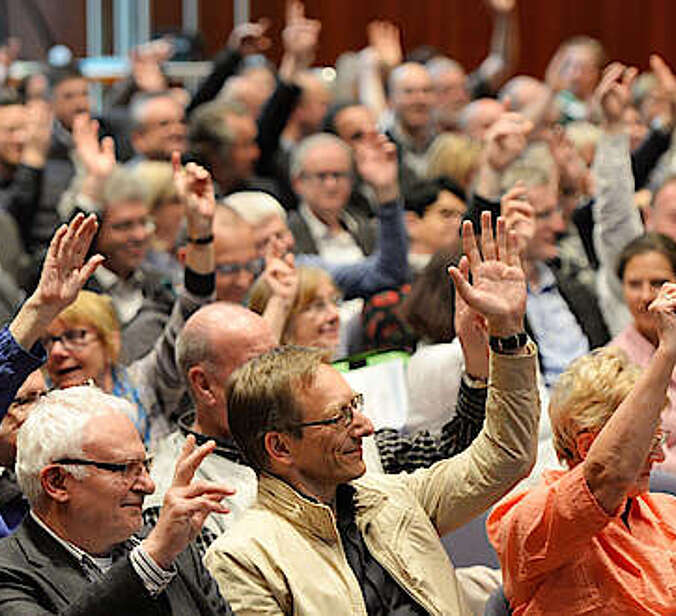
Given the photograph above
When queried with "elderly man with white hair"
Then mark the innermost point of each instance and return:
(84, 470)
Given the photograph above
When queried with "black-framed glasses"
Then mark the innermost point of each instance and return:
(33, 396)
(130, 469)
(255, 267)
(71, 339)
(345, 414)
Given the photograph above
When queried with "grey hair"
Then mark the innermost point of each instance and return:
(55, 429)
(254, 206)
(121, 186)
(208, 128)
(399, 71)
(306, 146)
(441, 64)
(139, 106)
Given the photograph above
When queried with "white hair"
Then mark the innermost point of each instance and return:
(55, 429)
(254, 206)
(307, 145)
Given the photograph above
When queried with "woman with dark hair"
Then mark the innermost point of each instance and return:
(643, 266)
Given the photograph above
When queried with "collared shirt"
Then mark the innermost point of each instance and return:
(127, 295)
(559, 337)
(382, 594)
(335, 247)
(154, 578)
(561, 553)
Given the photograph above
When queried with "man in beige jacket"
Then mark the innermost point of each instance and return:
(323, 538)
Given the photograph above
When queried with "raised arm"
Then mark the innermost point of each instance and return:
(616, 220)
(454, 491)
(504, 52)
(618, 455)
(63, 274)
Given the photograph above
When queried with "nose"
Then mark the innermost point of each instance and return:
(143, 483)
(648, 293)
(557, 222)
(361, 425)
(58, 350)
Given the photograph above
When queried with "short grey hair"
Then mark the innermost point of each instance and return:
(55, 429)
(139, 106)
(441, 64)
(208, 128)
(307, 145)
(254, 206)
(123, 185)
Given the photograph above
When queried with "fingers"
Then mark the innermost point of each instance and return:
(90, 267)
(189, 459)
(462, 286)
(469, 246)
(502, 239)
(210, 489)
(488, 247)
(512, 255)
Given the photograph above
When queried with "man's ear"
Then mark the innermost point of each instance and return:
(53, 481)
(278, 449)
(181, 255)
(297, 184)
(199, 384)
(648, 218)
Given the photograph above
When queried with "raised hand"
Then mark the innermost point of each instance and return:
(501, 6)
(376, 161)
(146, 64)
(519, 215)
(97, 158)
(385, 40)
(472, 331)
(250, 38)
(64, 272)
(666, 87)
(186, 506)
(300, 37)
(196, 191)
(498, 288)
(506, 139)
(613, 94)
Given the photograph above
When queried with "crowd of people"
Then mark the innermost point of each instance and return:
(183, 276)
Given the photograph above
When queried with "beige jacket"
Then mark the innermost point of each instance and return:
(284, 555)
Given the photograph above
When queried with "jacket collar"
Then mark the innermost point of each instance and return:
(314, 517)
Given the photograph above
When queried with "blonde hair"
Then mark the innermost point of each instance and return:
(309, 281)
(586, 395)
(455, 156)
(96, 311)
(158, 179)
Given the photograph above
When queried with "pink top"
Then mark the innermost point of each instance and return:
(562, 554)
(639, 351)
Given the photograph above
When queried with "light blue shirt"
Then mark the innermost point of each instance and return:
(559, 337)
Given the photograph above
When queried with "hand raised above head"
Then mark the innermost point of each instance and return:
(498, 287)
(519, 215)
(377, 165)
(613, 94)
(506, 139)
(196, 190)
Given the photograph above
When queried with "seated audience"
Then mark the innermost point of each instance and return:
(83, 341)
(300, 425)
(593, 538)
(84, 470)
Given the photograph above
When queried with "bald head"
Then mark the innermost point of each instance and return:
(477, 117)
(215, 341)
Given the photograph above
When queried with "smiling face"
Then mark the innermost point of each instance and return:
(317, 322)
(412, 96)
(327, 455)
(76, 361)
(644, 274)
(104, 500)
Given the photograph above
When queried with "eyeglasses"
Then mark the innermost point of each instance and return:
(71, 339)
(255, 267)
(321, 304)
(322, 176)
(34, 396)
(130, 470)
(345, 414)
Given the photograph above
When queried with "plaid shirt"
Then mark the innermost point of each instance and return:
(408, 452)
(398, 452)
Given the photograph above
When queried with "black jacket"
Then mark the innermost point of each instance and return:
(38, 576)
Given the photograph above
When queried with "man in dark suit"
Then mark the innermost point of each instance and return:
(83, 468)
